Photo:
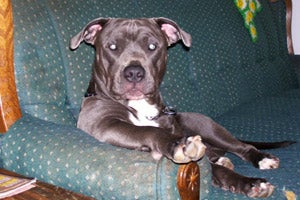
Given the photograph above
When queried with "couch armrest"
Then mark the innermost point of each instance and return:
(67, 157)
(290, 47)
(188, 181)
(9, 105)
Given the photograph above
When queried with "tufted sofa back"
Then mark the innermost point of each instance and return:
(222, 69)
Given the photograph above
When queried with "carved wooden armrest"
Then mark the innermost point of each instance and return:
(9, 104)
(188, 181)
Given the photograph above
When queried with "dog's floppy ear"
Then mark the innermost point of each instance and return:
(88, 33)
(173, 32)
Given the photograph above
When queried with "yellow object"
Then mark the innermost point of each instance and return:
(248, 9)
(290, 195)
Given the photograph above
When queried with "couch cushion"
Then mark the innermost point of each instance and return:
(229, 68)
(70, 158)
(52, 112)
(40, 77)
(39, 67)
(270, 119)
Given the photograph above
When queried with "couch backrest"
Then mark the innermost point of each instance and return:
(222, 69)
(226, 67)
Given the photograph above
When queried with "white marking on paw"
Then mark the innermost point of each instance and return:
(225, 162)
(195, 149)
(268, 163)
(192, 150)
(179, 156)
(261, 191)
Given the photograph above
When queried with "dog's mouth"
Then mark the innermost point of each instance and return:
(135, 91)
(133, 94)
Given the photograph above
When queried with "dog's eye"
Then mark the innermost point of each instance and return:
(113, 47)
(152, 47)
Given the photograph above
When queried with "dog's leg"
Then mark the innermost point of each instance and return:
(224, 177)
(155, 140)
(217, 136)
(219, 141)
(236, 183)
(216, 155)
(115, 128)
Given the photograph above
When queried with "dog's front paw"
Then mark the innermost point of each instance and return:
(192, 149)
(269, 163)
(261, 190)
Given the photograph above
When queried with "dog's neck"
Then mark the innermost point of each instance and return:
(142, 112)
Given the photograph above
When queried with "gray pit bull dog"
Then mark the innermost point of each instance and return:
(125, 107)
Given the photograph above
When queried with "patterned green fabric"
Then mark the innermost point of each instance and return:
(39, 67)
(231, 70)
(269, 119)
(70, 158)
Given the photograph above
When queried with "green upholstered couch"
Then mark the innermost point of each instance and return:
(249, 87)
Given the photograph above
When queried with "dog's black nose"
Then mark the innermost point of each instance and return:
(134, 73)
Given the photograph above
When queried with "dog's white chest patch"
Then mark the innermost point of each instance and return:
(145, 113)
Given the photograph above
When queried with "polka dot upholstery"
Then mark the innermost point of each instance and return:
(269, 119)
(40, 72)
(248, 87)
(70, 158)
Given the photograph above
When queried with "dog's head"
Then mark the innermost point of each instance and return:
(131, 54)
